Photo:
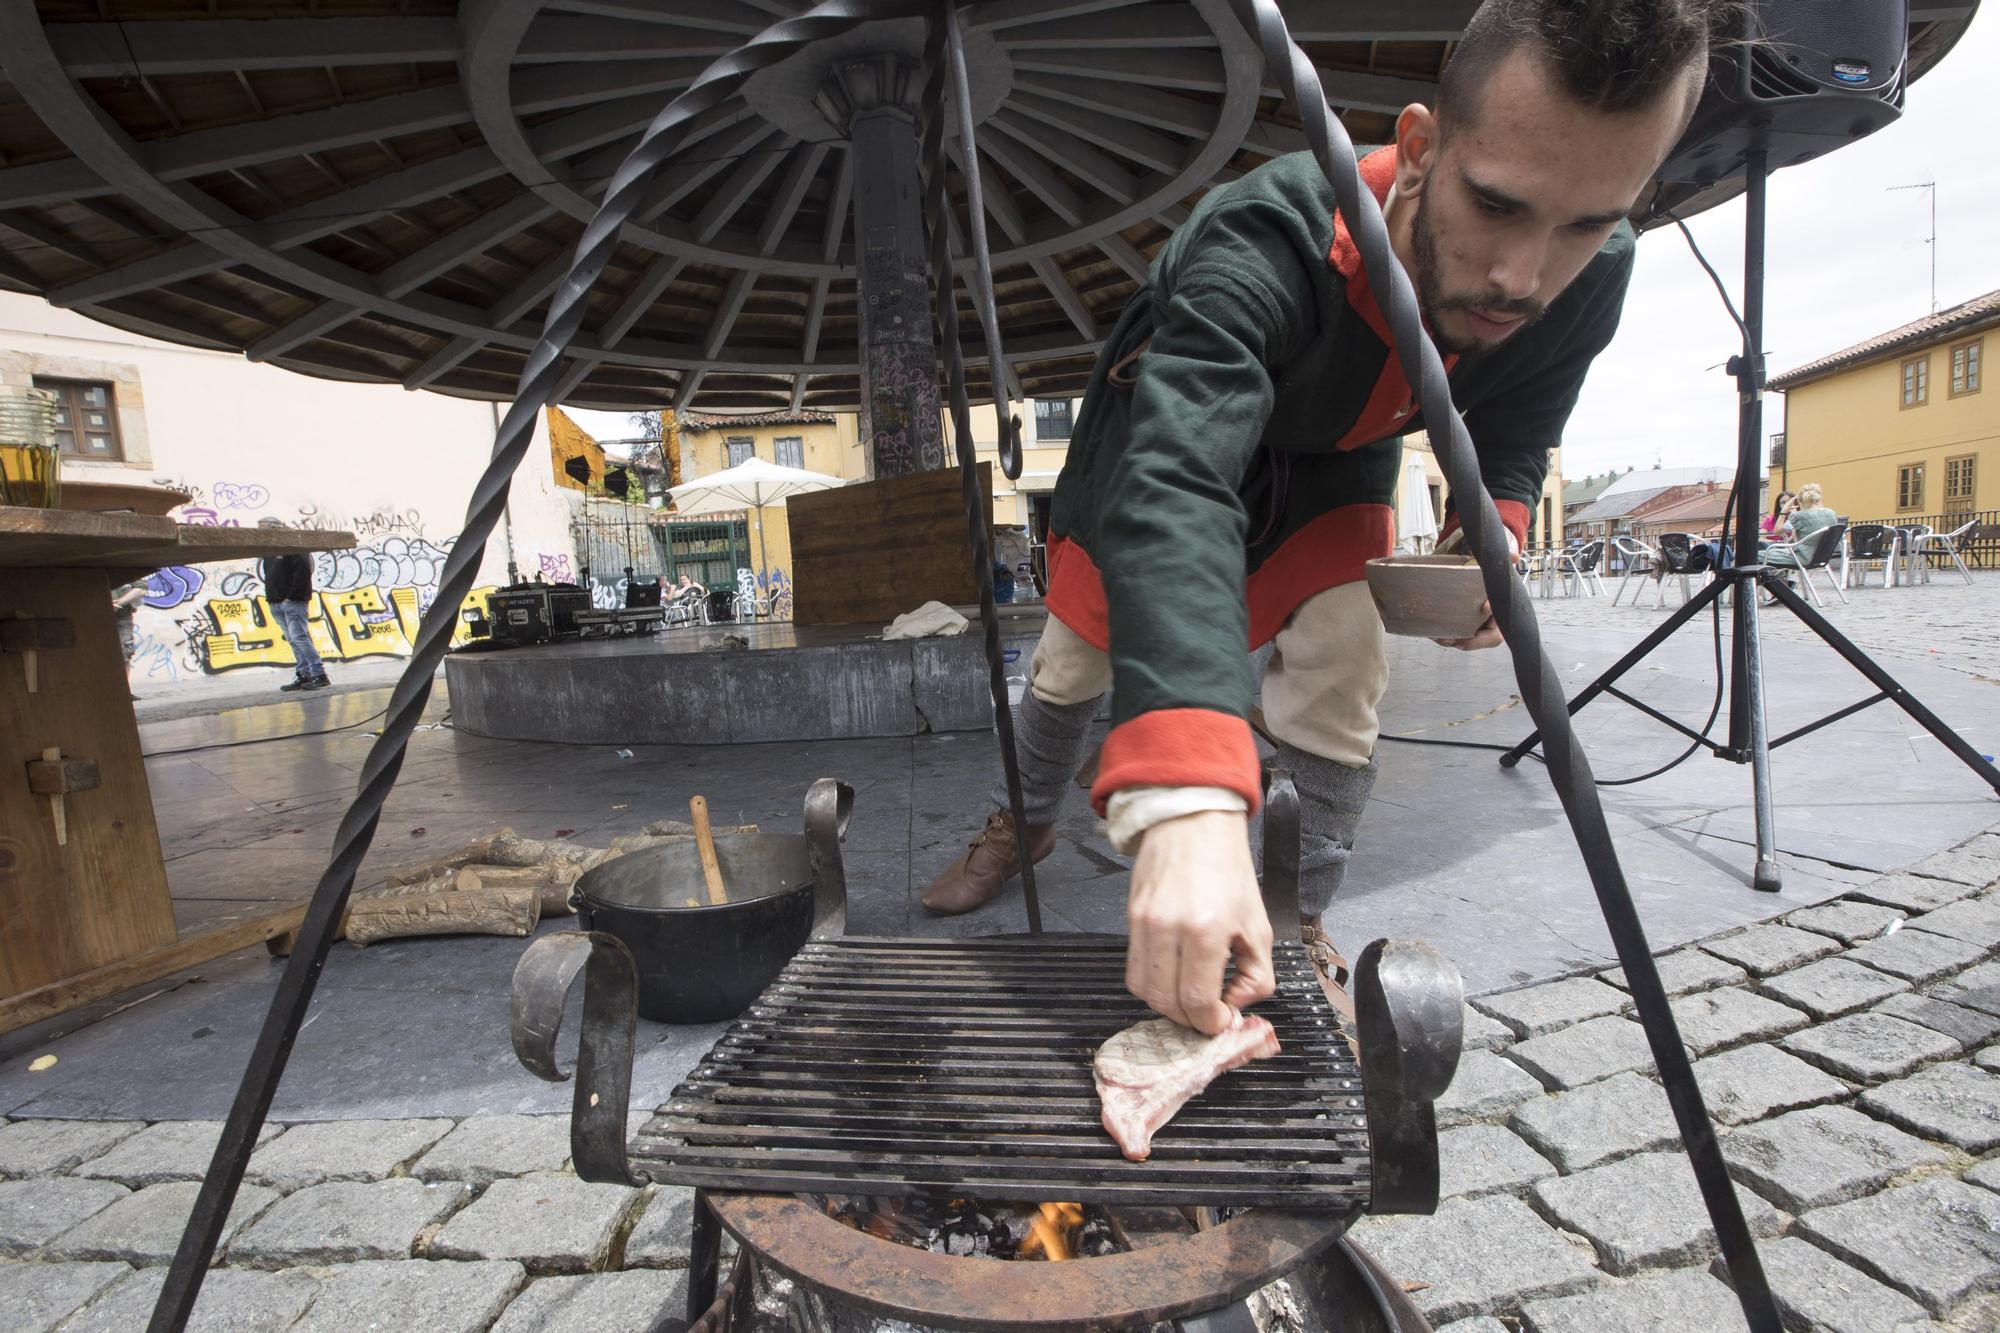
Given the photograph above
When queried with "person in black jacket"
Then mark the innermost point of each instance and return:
(288, 587)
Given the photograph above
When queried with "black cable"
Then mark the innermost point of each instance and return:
(1513, 611)
(1713, 276)
(263, 740)
(567, 309)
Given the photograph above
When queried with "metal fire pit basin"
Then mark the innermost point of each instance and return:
(962, 1068)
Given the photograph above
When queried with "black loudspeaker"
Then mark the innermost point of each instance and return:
(1811, 76)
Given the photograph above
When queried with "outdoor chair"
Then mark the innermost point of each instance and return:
(752, 608)
(1637, 558)
(1868, 542)
(1674, 555)
(1815, 552)
(1930, 543)
(1907, 537)
(1578, 567)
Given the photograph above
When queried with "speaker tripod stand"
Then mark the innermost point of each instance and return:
(1740, 574)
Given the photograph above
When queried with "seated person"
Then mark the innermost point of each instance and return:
(1810, 515)
(686, 590)
(1769, 526)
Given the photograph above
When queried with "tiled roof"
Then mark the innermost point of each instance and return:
(1709, 504)
(1585, 489)
(1616, 506)
(1979, 311)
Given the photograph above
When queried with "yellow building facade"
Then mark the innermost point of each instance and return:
(1899, 428)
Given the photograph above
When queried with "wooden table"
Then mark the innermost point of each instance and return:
(86, 913)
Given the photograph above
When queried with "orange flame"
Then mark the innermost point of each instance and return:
(1050, 1232)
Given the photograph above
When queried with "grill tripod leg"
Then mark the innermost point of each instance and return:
(704, 1257)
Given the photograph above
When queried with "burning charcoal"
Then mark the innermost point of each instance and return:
(1095, 1240)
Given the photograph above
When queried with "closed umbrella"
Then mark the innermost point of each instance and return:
(1416, 521)
(750, 485)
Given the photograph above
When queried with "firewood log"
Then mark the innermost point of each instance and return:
(511, 911)
(552, 883)
(476, 850)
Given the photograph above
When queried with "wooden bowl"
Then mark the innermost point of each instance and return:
(1428, 596)
(110, 497)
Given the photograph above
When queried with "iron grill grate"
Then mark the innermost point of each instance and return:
(963, 1067)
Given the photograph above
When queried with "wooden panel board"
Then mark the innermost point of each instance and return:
(869, 551)
(102, 897)
(61, 536)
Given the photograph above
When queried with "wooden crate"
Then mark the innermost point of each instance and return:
(869, 551)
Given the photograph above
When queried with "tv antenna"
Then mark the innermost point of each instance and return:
(1930, 240)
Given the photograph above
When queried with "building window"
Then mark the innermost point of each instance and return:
(86, 419)
(791, 451)
(1910, 487)
(1960, 483)
(1965, 368)
(1052, 419)
(1778, 449)
(741, 449)
(1916, 381)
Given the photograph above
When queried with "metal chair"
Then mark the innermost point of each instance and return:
(1907, 537)
(1868, 542)
(1675, 556)
(1929, 543)
(1638, 558)
(1579, 566)
(1814, 552)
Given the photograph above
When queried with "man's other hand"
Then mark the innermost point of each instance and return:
(1194, 906)
(1486, 636)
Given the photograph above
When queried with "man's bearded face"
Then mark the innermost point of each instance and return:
(1463, 323)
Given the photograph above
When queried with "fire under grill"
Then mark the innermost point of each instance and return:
(963, 1067)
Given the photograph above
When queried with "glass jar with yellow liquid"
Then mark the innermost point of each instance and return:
(30, 471)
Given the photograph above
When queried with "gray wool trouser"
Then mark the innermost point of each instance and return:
(1325, 674)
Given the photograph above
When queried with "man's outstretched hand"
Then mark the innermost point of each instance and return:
(1194, 906)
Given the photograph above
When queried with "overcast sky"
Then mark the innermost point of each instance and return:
(1846, 260)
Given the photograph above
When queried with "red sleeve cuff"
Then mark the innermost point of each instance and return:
(1179, 747)
(1513, 514)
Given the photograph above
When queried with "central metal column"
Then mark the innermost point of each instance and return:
(901, 417)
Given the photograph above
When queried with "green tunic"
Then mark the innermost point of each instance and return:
(1251, 460)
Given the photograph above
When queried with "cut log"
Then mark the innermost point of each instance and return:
(511, 849)
(551, 883)
(511, 911)
(476, 850)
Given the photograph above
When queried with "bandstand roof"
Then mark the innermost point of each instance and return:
(389, 190)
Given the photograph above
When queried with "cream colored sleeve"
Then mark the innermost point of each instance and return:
(1135, 809)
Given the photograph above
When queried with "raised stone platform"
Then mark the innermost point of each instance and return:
(791, 683)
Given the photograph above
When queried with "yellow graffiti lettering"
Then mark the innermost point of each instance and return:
(362, 625)
(244, 634)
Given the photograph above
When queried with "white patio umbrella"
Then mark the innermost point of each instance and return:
(751, 484)
(1416, 521)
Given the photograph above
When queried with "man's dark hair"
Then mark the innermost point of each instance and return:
(1610, 55)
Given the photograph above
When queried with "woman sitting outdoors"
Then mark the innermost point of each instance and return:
(1809, 516)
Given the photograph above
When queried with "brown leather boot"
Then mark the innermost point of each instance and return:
(991, 860)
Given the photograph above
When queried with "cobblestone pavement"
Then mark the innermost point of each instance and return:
(1945, 622)
(1850, 1053)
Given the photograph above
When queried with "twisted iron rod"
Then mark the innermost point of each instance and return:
(539, 376)
(1541, 688)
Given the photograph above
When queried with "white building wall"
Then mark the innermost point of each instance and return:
(254, 442)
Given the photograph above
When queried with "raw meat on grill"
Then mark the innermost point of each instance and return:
(1147, 1072)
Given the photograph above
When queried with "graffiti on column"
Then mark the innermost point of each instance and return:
(899, 393)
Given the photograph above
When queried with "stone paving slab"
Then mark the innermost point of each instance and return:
(1483, 1033)
(170, 1150)
(1712, 1020)
(1978, 978)
(1686, 970)
(1676, 1303)
(1485, 1323)
(37, 1297)
(1643, 1212)
(428, 1294)
(1533, 1010)
(1477, 1255)
(1967, 1027)
(145, 1227)
(548, 1223)
(1918, 956)
(1825, 1155)
(1976, 921)
(1846, 919)
(1585, 1053)
(34, 1212)
(1480, 1159)
(486, 1148)
(342, 1221)
(660, 1237)
(1816, 1291)
(1752, 1082)
(1624, 1114)
(1988, 1059)
(1834, 986)
(1869, 1047)
(1933, 1241)
(1968, 863)
(45, 1147)
(1486, 1085)
(342, 1150)
(1766, 950)
(232, 1300)
(598, 1303)
(1957, 1103)
(1912, 893)
(1987, 1174)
